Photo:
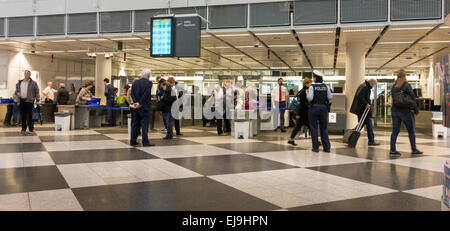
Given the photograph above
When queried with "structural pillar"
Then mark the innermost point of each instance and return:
(355, 72)
(103, 69)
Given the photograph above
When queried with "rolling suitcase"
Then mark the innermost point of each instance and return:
(351, 136)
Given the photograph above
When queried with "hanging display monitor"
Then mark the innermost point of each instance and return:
(187, 38)
(162, 37)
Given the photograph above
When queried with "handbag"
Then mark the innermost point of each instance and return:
(402, 100)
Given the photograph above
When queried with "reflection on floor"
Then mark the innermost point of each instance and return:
(98, 170)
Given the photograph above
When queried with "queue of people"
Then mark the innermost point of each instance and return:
(311, 110)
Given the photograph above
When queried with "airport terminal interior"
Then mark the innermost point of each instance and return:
(82, 164)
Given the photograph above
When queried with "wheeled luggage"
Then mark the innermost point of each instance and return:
(351, 136)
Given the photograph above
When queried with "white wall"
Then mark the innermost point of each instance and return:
(60, 71)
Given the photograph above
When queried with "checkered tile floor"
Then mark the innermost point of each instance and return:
(98, 170)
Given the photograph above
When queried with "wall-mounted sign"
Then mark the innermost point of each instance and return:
(332, 118)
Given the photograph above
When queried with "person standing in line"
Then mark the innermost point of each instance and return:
(129, 101)
(301, 113)
(49, 93)
(141, 93)
(16, 109)
(280, 98)
(319, 95)
(85, 94)
(291, 113)
(361, 102)
(227, 105)
(401, 113)
(154, 107)
(62, 98)
(179, 92)
(27, 91)
(109, 93)
(167, 100)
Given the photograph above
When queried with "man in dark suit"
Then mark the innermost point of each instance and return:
(141, 94)
(109, 93)
(62, 98)
(361, 102)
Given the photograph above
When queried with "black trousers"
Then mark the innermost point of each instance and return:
(297, 128)
(140, 121)
(318, 117)
(26, 114)
(226, 122)
(152, 117)
(178, 123)
(9, 114)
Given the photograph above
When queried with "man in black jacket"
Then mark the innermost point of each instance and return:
(361, 102)
(63, 95)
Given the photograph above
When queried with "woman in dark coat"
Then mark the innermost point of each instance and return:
(166, 102)
(301, 110)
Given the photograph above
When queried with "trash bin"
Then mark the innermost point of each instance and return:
(62, 121)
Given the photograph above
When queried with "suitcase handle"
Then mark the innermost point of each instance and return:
(363, 118)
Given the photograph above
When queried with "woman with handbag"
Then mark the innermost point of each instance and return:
(403, 101)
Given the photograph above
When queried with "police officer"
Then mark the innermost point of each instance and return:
(319, 96)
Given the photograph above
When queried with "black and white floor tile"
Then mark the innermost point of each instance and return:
(98, 170)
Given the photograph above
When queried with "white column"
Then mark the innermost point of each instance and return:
(103, 69)
(355, 71)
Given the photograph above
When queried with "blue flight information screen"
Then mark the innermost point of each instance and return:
(162, 37)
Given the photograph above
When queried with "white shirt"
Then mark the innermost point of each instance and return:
(276, 93)
(24, 89)
(50, 92)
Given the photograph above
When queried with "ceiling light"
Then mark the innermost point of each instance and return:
(434, 42)
(279, 33)
(412, 28)
(231, 35)
(77, 51)
(2, 43)
(133, 49)
(91, 40)
(118, 39)
(216, 47)
(62, 41)
(233, 55)
(318, 45)
(391, 43)
(244, 46)
(362, 30)
(205, 36)
(316, 32)
(53, 51)
(281, 46)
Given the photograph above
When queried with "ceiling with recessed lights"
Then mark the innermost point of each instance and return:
(411, 46)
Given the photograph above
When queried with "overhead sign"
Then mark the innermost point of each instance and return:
(187, 36)
(162, 37)
(175, 36)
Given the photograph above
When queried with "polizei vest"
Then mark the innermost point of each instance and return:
(320, 93)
